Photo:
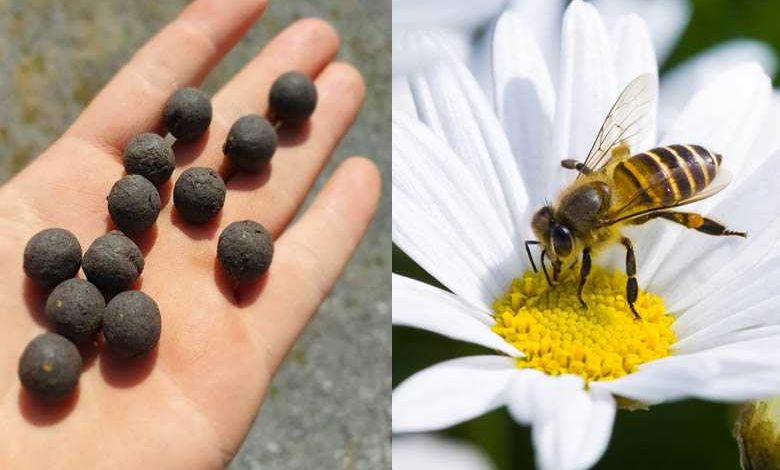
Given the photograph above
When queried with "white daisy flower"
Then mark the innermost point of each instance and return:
(432, 452)
(468, 174)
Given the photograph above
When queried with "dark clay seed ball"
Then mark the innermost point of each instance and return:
(293, 98)
(199, 195)
(187, 114)
(134, 204)
(251, 142)
(131, 324)
(113, 262)
(75, 309)
(50, 366)
(245, 250)
(150, 156)
(51, 256)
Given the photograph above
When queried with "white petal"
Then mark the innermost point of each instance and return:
(760, 283)
(422, 306)
(451, 392)
(457, 45)
(734, 372)
(666, 18)
(451, 102)
(454, 14)
(403, 100)
(688, 77)
(757, 321)
(726, 114)
(704, 264)
(479, 61)
(443, 219)
(587, 86)
(635, 56)
(543, 20)
(769, 139)
(411, 55)
(459, 20)
(432, 452)
(570, 426)
(714, 341)
(725, 117)
(524, 101)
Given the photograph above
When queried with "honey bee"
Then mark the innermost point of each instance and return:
(615, 188)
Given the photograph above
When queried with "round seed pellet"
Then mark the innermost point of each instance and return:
(187, 114)
(51, 256)
(150, 156)
(251, 142)
(50, 366)
(75, 309)
(292, 98)
(134, 204)
(245, 250)
(131, 324)
(113, 262)
(199, 194)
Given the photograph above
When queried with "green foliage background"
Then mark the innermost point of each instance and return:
(686, 435)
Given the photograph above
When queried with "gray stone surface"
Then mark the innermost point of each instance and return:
(329, 406)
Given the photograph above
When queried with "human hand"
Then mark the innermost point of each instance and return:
(191, 401)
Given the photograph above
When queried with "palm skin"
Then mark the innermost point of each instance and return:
(189, 403)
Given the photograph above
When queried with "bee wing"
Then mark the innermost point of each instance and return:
(629, 117)
(636, 205)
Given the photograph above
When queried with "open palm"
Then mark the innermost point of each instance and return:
(191, 401)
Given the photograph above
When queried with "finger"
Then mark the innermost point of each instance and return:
(181, 54)
(296, 165)
(311, 254)
(307, 45)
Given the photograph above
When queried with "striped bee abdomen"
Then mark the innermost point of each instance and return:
(664, 176)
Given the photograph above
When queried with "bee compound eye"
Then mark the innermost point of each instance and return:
(562, 241)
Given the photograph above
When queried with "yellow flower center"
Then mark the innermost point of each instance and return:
(559, 336)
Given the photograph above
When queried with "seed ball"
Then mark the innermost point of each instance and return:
(113, 262)
(50, 366)
(245, 250)
(150, 156)
(131, 324)
(51, 256)
(199, 195)
(251, 142)
(134, 204)
(187, 114)
(293, 98)
(75, 309)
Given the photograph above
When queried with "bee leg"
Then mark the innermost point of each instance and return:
(528, 244)
(632, 287)
(556, 270)
(544, 268)
(571, 164)
(584, 272)
(691, 220)
(700, 223)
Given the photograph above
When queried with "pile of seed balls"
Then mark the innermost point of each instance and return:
(78, 309)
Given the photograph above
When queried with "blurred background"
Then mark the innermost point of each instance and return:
(328, 406)
(686, 435)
